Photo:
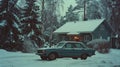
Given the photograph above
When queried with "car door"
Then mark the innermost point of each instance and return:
(78, 49)
(68, 50)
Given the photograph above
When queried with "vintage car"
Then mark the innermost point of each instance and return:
(71, 49)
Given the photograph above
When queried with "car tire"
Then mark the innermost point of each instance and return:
(52, 56)
(43, 58)
(84, 56)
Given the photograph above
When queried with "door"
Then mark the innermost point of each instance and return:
(78, 49)
(68, 50)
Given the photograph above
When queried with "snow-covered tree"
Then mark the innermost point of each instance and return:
(92, 8)
(105, 6)
(20, 19)
(95, 9)
(50, 17)
(32, 25)
(28, 20)
(71, 15)
(10, 30)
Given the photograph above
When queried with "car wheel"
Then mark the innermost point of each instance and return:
(84, 56)
(52, 56)
(43, 58)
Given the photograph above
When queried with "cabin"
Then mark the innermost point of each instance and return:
(84, 31)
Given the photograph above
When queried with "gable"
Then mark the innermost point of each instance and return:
(101, 31)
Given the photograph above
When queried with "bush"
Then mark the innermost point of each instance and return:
(101, 45)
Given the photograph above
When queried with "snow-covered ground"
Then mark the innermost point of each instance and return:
(18, 59)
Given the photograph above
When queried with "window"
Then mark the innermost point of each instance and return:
(60, 45)
(68, 45)
(76, 38)
(87, 38)
(78, 45)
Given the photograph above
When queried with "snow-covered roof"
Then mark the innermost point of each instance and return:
(79, 26)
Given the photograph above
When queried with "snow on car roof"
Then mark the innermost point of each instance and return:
(79, 26)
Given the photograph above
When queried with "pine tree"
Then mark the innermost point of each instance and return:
(71, 15)
(10, 31)
(51, 17)
(32, 27)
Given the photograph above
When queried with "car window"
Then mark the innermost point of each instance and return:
(68, 45)
(59, 45)
(78, 45)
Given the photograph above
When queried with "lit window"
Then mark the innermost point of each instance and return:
(76, 38)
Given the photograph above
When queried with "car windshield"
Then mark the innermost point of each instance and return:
(59, 45)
